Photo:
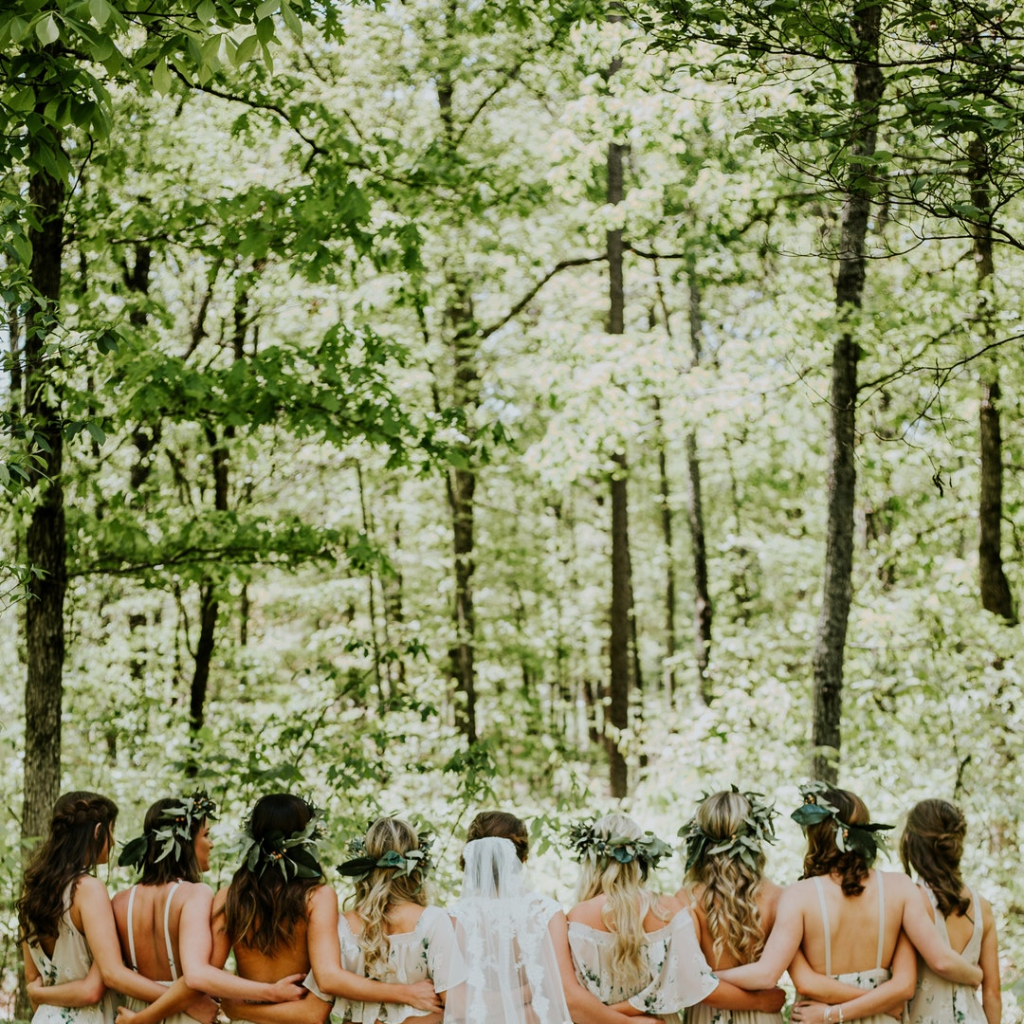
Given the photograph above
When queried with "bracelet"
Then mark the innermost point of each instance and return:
(827, 1015)
(840, 1013)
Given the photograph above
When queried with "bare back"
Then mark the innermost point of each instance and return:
(149, 937)
(959, 927)
(857, 933)
(289, 958)
(767, 904)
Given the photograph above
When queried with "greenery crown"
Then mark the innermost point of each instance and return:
(745, 842)
(584, 841)
(295, 854)
(173, 831)
(412, 861)
(864, 840)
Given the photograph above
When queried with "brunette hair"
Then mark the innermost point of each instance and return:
(729, 896)
(262, 910)
(627, 900)
(500, 825)
(823, 855)
(181, 862)
(81, 826)
(383, 888)
(932, 844)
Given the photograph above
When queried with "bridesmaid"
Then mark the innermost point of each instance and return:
(69, 938)
(635, 950)
(931, 847)
(848, 920)
(732, 901)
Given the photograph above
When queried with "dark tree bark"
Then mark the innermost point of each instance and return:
(837, 588)
(46, 539)
(702, 609)
(996, 596)
(621, 611)
(664, 492)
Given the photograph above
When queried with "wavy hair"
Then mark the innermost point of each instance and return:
(627, 901)
(181, 862)
(384, 888)
(823, 855)
(81, 825)
(262, 910)
(731, 887)
(501, 825)
(932, 844)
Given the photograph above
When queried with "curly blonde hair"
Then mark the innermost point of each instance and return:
(731, 887)
(384, 888)
(627, 901)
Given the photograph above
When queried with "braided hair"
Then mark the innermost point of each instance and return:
(81, 829)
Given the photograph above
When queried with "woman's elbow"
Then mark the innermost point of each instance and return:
(195, 979)
(907, 988)
(95, 990)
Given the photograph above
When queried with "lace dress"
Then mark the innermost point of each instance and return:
(869, 979)
(71, 961)
(139, 1004)
(428, 951)
(938, 1001)
(680, 976)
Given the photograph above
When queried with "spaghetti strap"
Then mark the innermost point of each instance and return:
(825, 924)
(881, 919)
(167, 930)
(131, 930)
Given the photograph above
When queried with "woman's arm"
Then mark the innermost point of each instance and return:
(779, 950)
(332, 979)
(175, 997)
(731, 997)
(85, 991)
(991, 996)
(310, 1010)
(819, 988)
(584, 1006)
(919, 926)
(889, 995)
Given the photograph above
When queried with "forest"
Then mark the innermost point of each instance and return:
(436, 405)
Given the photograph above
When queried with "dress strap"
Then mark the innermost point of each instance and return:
(825, 924)
(131, 930)
(167, 930)
(881, 918)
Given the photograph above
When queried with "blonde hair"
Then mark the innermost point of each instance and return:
(627, 901)
(729, 898)
(384, 888)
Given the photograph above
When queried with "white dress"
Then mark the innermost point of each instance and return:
(428, 951)
(869, 979)
(938, 1001)
(71, 961)
(680, 976)
(140, 1004)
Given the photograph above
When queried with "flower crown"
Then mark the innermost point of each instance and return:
(405, 864)
(584, 842)
(745, 842)
(295, 854)
(860, 839)
(173, 830)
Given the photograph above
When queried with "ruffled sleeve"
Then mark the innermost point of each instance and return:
(445, 963)
(682, 976)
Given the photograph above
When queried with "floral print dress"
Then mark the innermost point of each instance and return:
(680, 976)
(938, 1001)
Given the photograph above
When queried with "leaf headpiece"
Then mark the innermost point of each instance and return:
(584, 841)
(863, 840)
(745, 842)
(405, 864)
(294, 854)
(173, 830)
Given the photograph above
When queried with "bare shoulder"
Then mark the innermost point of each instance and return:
(354, 922)
(220, 898)
(988, 918)
(322, 898)
(689, 896)
(589, 913)
(120, 899)
(90, 888)
(898, 882)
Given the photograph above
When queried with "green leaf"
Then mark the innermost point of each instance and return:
(206, 11)
(266, 9)
(47, 30)
(291, 20)
(100, 11)
(245, 51)
(95, 431)
(162, 78)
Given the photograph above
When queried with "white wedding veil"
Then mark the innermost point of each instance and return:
(502, 929)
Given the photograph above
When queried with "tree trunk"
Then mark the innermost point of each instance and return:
(668, 673)
(702, 609)
(46, 539)
(461, 489)
(995, 588)
(837, 588)
(619, 642)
